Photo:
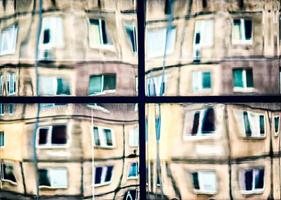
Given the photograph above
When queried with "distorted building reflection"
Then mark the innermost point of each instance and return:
(73, 151)
(68, 47)
(213, 151)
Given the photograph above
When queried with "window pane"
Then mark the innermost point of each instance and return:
(95, 84)
(94, 33)
(248, 29)
(195, 181)
(43, 136)
(195, 123)
(58, 178)
(43, 177)
(237, 77)
(1, 139)
(96, 136)
(249, 78)
(46, 36)
(133, 170)
(248, 179)
(9, 173)
(108, 136)
(206, 82)
(108, 174)
(109, 82)
(63, 87)
(209, 121)
(276, 124)
(259, 178)
(236, 31)
(105, 38)
(247, 124)
(98, 175)
(59, 134)
(262, 124)
(131, 35)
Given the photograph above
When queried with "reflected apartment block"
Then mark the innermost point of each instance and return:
(71, 47)
(212, 47)
(213, 151)
(73, 151)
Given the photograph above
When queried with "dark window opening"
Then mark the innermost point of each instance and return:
(168, 7)
(103, 29)
(276, 124)
(247, 124)
(206, 80)
(195, 123)
(59, 134)
(241, 4)
(195, 181)
(131, 34)
(98, 175)
(43, 178)
(197, 38)
(261, 124)
(8, 173)
(43, 136)
(259, 179)
(248, 179)
(249, 78)
(108, 136)
(109, 82)
(209, 121)
(108, 173)
(204, 3)
(248, 29)
(63, 87)
(46, 36)
(96, 136)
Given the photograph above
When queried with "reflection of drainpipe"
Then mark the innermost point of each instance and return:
(35, 159)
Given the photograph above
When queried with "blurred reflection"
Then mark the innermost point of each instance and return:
(73, 151)
(213, 151)
(68, 47)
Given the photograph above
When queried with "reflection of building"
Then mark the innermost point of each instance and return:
(212, 47)
(84, 47)
(214, 151)
(82, 151)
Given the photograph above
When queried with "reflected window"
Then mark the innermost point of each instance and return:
(11, 83)
(52, 86)
(8, 173)
(276, 124)
(2, 139)
(201, 81)
(242, 79)
(102, 83)
(242, 31)
(156, 86)
(133, 170)
(103, 137)
(134, 137)
(132, 36)
(98, 33)
(1, 85)
(2, 109)
(156, 42)
(204, 182)
(254, 124)
(8, 40)
(252, 180)
(52, 136)
(203, 122)
(53, 178)
(103, 175)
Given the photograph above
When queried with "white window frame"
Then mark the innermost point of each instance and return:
(242, 184)
(102, 137)
(49, 138)
(102, 44)
(198, 83)
(134, 137)
(170, 42)
(132, 27)
(55, 26)
(252, 114)
(11, 81)
(103, 176)
(50, 170)
(276, 133)
(2, 173)
(137, 174)
(242, 40)
(244, 88)
(3, 133)
(201, 180)
(12, 36)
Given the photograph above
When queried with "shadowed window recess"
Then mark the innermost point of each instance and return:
(53, 178)
(133, 170)
(204, 182)
(203, 122)
(103, 175)
(53, 86)
(132, 36)
(8, 40)
(242, 32)
(102, 83)
(7, 173)
(2, 139)
(98, 34)
(252, 180)
(201, 81)
(52, 136)
(276, 124)
(242, 79)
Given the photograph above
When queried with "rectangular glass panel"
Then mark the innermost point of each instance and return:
(206, 79)
(95, 84)
(59, 134)
(238, 77)
(109, 82)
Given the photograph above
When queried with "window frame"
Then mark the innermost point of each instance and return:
(129, 169)
(132, 27)
(278, 130)
(3, 141)
(49, 145)
(103, 176)
(103, 138)
(242, 41)
(2, 173)
(257, 114)
(14, 39)
(201, 89)
(102, 84)
(203, 191)
(50, 178)
(244, 88)
(11, 82)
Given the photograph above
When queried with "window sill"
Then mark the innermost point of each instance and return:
(104, 147)
(102, 184)
(242, 43)
(51, 188)
(198, 192)
(132, 177)
(106, 47)
(254, 137)
(52, 147)
(7, 53)
(244, 192)
(200, 137)
(244, 90)
(103, 93)
(10, 182)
